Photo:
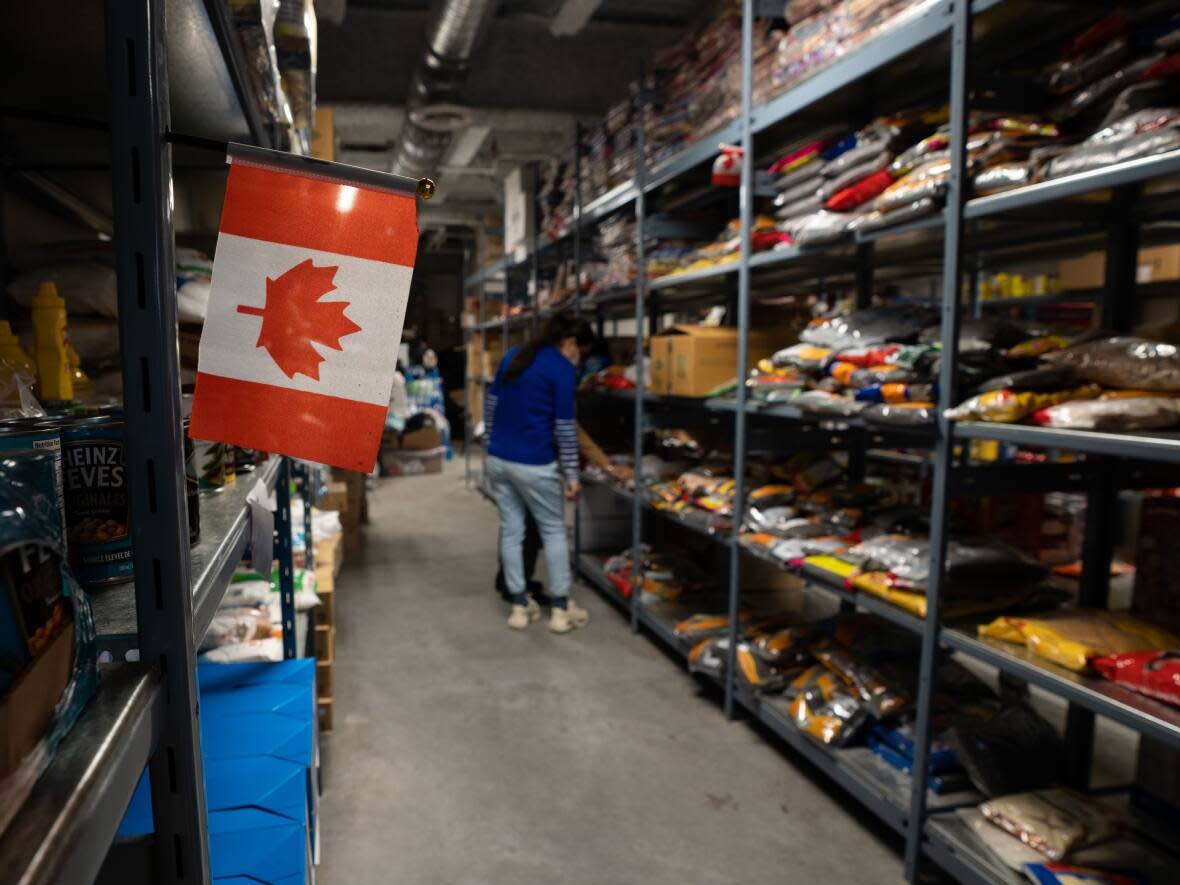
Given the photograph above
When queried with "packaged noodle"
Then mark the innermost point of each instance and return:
(1008, 406)
(1153, 673)
(1124, 362)
(789, 646)
(1054, 821)
(1114, 413)
(1036, 347)
(822, 708)
(901, 414)
(1002, 177)
(708, 657)
(863, 681)
(1072, 638)
(704, 626)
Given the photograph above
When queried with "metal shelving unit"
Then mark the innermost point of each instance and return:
(153, 68)
(1106, 208)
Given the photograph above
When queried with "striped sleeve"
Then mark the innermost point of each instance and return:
(489, 415)
(565, 427)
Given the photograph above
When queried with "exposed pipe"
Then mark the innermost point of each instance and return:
(439, 78)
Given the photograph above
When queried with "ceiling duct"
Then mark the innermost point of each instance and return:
(438, 81)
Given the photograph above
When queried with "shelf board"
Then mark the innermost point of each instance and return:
(225, 533)
(63, 831)
(1116, 175)
(1145, 445)
(1136, 711)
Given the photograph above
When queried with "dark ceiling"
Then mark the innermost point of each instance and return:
(518, 63)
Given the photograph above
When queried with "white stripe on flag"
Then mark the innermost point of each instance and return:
(376, 291)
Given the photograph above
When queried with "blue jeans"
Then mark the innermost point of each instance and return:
(536, 489)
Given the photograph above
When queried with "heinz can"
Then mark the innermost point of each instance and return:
(98, 509)
(40, 435)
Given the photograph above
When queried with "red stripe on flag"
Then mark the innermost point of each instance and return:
(325, 429)
(284, 207)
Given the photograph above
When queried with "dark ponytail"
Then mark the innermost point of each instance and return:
(556, 330)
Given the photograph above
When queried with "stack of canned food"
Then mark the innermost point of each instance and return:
(89, 483)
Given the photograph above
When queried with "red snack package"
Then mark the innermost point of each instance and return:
(860, 193)
(1153, 673)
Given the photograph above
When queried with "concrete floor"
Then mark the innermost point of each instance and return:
(466, 753)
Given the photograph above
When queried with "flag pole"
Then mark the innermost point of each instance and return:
(313, 166)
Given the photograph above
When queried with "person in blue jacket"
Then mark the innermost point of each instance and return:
(533, 464)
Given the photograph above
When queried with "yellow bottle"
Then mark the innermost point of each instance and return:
(49, 348)
(12, 353)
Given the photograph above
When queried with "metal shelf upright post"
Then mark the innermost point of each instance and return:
(576, 273)
(141, 172)
(952, 271)
(746, 221)
(640, 368)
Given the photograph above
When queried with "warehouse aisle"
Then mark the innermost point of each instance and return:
(466, 753)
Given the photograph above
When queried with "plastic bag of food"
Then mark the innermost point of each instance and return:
(1073, 73)
(819, 228)
(1096, 155)
(823, 708)
(708, 657)
(907, 558)
(871, 355)
(897, 393)
(1047, 378)
(788, 647)
(870, 326)
(1008, 406)
(1132, 413)
(232, 626)
(901, 414)
(901, 214)
(805, 189)
(862, 681)
(802, 356)
(1037, 347)
(835, 183)
(1153, 673)
(821, 402)
(797, 158)
(1124, 362)
(1068, 874)
(1003, 177)
(702, 626)
(1012, 749)
(1072, 638)
(865, 189)
(1094, 94)
(1054, 821)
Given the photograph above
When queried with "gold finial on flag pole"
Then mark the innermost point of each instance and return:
(425, 188)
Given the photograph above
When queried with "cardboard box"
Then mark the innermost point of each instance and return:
(334, 497)
(323, 134)
(28, 705)
(1156, 264)
(421, 440)
(692, 360)
(520, 222)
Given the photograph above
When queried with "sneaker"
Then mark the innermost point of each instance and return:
(563, 620)
(520, 619)
(534, 610)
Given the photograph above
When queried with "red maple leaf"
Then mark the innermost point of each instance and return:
(294, 317)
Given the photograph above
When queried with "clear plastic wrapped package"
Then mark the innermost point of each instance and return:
(1054, 821)
(824, 709)
(1100, 153)
(1119, 413)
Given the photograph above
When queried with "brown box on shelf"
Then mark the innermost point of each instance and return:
(325, 708)
(325, 679)
(1157, 561)
(325, 642)
(334, 497)
(1156, 264)
(692, 360)
(28, 706)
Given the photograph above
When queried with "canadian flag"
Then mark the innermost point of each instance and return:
(310, 283)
